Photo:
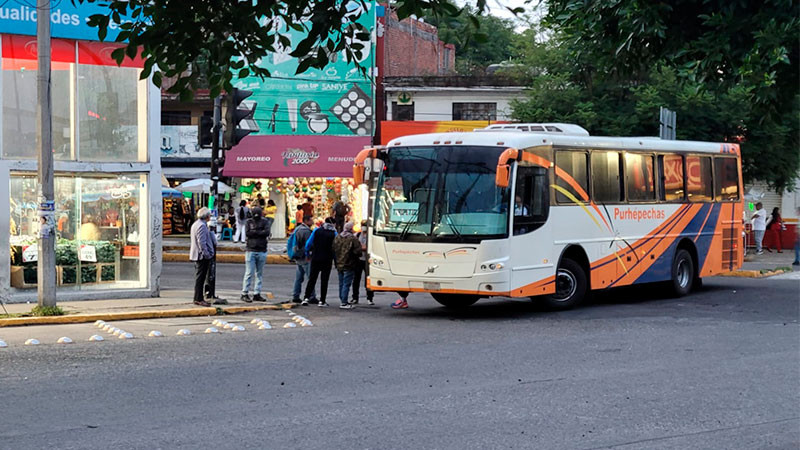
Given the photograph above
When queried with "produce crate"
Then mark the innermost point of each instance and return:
(18, 277)
(66, 275)
(107, 273)
(130, 251)
(90, 274)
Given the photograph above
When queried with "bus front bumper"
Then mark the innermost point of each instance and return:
(487, 284)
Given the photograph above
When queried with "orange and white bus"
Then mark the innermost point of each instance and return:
(553, 214)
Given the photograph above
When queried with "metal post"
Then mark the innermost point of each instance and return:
(215, 138)
(46, 265)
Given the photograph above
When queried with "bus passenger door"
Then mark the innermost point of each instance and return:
(531, 242)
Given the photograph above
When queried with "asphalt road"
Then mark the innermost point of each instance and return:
(716, 369)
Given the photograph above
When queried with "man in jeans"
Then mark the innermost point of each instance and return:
(362, 267)
(301, 234)
(257, 231)
(759, 226)
(201, 251)
(347, 251)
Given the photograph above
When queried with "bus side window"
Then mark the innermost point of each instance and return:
(531, 199)
(699, 185)
(639, 177)
(671, 178)
(571, 176)
(726, 179)
(606, 182)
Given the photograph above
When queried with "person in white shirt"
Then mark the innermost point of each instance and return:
(759, 220)
(519, 208)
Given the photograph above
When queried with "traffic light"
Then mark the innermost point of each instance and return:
(204, 132)
(238, 117)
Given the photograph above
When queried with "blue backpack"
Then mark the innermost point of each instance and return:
(292, 249)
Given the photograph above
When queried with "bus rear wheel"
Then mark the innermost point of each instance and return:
(455, 301)
(683, 274)
(571, 286)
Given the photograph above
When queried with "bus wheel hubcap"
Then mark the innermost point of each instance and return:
(566, 284)
(683, 273)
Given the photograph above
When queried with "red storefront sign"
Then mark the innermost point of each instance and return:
(283, 156)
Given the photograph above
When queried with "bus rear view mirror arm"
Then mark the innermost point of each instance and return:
(503, 174)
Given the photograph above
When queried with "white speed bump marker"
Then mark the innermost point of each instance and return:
(265, 326)
(117, 332)
(64, 340)
(228, 326)
(99, 323)
(155, 333)
(3, 344)
(306, 323)
(183, 332)
(211, 330)
(290, 325)
(107, 327)
(126, 336)
(256, 321)
(237, 328)
(32, 342)
(96, 338)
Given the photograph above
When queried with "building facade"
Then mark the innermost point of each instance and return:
(107, 169)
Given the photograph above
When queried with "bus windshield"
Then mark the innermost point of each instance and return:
(442, 193)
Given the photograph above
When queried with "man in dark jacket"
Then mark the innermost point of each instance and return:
(256, 230)
(347, 250)
(302, 260)
(320, 246)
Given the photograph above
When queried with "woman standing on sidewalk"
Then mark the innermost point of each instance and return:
(241, 214)
(774, 228)
(320, 246)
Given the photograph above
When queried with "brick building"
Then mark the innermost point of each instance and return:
(412, 48)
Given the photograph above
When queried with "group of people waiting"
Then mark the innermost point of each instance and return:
(772, 225)
(315, 253)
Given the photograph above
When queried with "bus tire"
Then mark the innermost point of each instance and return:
(571, 286)
(682, 273)
(455, 301)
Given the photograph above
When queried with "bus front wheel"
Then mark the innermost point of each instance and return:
(571, 286)
(455, 300)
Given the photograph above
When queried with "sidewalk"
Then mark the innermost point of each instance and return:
(769, 260)
(176, 249)
(172, 303)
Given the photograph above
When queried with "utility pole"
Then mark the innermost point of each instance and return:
(46, 261)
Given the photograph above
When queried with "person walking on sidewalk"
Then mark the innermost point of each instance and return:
(362, 267)
(774, 228)
(759, 220)
(797, 242)
(347, 251)
(241, 214)
(201, 251)
(255, 255)
(340, 211)
(302, 260)
(320, 246)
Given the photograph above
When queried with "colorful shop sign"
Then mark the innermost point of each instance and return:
(336, 100)
(66, 20)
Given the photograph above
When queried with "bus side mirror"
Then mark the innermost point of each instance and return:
(503, 175)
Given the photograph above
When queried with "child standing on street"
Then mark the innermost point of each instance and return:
(347, 251)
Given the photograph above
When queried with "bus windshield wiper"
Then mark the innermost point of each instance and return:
(408, 224)
(452, 226)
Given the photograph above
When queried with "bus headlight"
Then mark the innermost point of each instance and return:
(492, 267)
(376, 261)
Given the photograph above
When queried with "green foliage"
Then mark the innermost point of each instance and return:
(723, 54)
(107, 273)
(480, 40)
(47, 311)
(88, 274)
(66, 253)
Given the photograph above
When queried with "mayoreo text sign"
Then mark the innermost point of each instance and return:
(66, 20)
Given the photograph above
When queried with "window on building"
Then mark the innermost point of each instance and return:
(402, 112)
(671, 172)
(639, 178)
(474, 111)
(571, 176)
(176, 118)
(726, 179)
(19, 68)
(108, 107)
(699, 184)
(606, 182)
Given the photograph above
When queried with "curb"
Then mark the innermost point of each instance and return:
(752, 274)
(137, 315)
(225, 258)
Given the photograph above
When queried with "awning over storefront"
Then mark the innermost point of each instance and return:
(283, 156)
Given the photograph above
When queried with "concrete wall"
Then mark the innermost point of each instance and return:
(438, 105)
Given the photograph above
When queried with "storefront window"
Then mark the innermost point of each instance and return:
(19, 93)
(97, 229)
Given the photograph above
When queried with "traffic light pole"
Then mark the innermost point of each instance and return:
(215, 138)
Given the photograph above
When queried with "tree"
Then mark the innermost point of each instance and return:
(717, 47)
(480, 40)
(206, 44)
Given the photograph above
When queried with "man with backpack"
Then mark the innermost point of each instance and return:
(320, 244)
(255, 256)
(296, 248)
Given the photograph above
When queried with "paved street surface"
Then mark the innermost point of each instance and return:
(716, 369)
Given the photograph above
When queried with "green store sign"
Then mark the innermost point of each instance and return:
(336, 100)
